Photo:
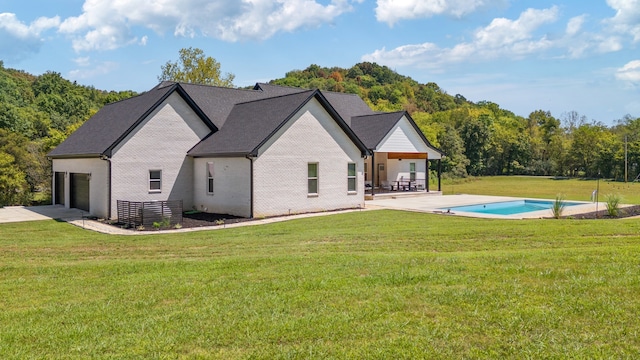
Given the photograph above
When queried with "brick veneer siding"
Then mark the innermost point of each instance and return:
(161, 143)
(280, 170)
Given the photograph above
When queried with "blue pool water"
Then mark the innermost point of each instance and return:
(509, 207)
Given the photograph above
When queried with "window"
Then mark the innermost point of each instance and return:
(412, 171)
(210, 178)
(366, 171)
(351, 177)
(155, 180)
(312, 178)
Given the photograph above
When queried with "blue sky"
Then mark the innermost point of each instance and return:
(559, 55)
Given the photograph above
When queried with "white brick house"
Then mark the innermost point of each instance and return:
(250, 153)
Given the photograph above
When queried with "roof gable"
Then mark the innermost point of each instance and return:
(374, 129)
(109, 126)
(252, 124)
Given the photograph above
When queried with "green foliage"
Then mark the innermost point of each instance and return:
(196, 68)
(558, 206)
(13, 185)
(36, 114)
(364, 285)
(613, 204)
(482, 138)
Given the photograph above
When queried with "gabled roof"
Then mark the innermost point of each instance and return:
(104, 131)
(372, 129)
(347, 105)
(277, 90)
(252, 124)
(217, 102)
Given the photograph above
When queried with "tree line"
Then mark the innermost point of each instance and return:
(483, 139)
(39, 112)
(36, 114)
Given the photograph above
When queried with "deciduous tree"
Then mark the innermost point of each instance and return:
(196, 68)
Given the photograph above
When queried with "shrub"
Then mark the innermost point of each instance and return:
(613, 204)
(558, 206)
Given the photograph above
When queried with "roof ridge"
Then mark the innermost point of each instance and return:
(276, 97)
(383, 113)
(217, 87)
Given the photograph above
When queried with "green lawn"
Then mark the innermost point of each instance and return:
(542, 187)
(364, 285)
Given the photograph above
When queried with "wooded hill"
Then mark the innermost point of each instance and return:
(483, 139)
(39, 112)
(36, 114)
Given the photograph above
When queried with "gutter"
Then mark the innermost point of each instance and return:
(107, 159)
(250, 158)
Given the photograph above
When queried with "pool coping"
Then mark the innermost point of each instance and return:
(438, 203)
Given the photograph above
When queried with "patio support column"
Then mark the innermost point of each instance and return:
(426, 174)
(373, 172)
(439, 174)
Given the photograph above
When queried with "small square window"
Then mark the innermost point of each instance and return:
(155, 180)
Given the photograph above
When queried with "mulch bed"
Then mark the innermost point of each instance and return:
(200, 219)
(602, 214)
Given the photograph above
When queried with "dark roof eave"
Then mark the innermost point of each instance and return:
(222, 155)
(75, 156)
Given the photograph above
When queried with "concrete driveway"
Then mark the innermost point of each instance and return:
(32, 213)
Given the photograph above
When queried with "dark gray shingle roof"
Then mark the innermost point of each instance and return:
(251, 124)
(348, 105)
(103, 130)
(371, 129)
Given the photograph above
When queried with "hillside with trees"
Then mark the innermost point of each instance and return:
(483, 139)
(36, 114)
(39, 112)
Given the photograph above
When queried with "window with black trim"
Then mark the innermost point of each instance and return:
(312, 178)
(210, 178)
(155, 180)
(351, 177)
(412, 171)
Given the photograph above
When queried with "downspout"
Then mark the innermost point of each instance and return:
(426, 173)
(250, 158)
(439, 174)
(108, 160)
(373, 173)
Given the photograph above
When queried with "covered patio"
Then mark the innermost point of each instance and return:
(401, 158)
(401, 172)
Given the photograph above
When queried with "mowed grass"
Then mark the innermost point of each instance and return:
(367, 285)
(543, 187)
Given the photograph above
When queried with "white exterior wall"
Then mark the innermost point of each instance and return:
(231, 186)
(160, 142)
(280, 171)
(404, 138)
(98, 185)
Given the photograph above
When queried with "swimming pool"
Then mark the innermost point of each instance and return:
(510, 207)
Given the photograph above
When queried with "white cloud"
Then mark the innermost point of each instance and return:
(627, 18)
(105, 25)
(89, 70)
(18, 39)
(575, 25)
(629, 72)
(391, 11)
(501, 38)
